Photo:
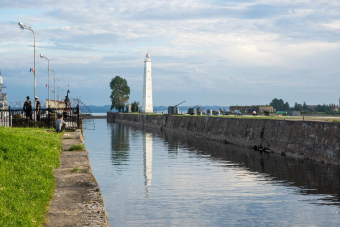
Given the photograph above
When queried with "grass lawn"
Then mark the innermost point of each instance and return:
(28, 157)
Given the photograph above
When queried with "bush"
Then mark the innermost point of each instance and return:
(46, 122)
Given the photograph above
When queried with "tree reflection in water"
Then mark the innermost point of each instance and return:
(120, 144)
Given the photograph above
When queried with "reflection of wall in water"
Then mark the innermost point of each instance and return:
(173, 145)
(311, 177)
(305, 174)
(120, 144)
(147, 148)
(173, 148)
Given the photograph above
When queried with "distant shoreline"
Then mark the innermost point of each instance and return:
(99, 117)
(99, 114)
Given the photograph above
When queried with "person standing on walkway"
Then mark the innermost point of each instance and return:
(28, 108)
(37, 111)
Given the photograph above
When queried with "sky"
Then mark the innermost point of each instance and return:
(230, 52)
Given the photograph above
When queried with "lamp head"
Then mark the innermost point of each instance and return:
(21, 25)
(41, 55)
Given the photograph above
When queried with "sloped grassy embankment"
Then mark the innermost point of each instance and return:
(28, 157)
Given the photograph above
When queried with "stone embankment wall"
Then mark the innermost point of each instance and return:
(318, 141)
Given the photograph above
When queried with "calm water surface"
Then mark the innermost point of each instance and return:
(150, 178)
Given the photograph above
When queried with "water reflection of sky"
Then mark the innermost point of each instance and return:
(159, 179)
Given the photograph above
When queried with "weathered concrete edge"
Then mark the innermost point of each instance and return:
(99, 192)
(79, 210)
(317, 141)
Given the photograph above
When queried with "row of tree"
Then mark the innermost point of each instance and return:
(280, 105)
(325, 108)
(120, 95)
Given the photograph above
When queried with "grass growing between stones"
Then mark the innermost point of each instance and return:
(28, 157)
(77, 147)
(75, 169)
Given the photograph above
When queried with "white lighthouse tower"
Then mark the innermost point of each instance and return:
(147, 86)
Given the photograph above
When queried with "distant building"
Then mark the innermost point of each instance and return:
(128, 108)
(3, 96)
(311, 107)
(55, 104)
(294, 113)
(281, 113)
(249, 109)
(334, 107)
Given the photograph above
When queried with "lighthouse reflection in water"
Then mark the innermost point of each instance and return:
(147, 148)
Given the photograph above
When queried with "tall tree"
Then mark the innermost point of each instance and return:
(318, 108)
(135, 107)
(304, 106)
(120, 93)
(297, 106)
(278, 104)
(287, 108)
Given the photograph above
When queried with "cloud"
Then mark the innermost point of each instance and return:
(208, 49)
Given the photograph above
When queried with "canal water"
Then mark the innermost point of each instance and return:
(153, 178)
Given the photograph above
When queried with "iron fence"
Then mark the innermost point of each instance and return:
(145, 112)
(46, 117)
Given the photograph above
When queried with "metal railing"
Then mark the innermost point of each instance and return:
(144, 112)
(46, 117)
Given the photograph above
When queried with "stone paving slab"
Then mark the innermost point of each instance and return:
(70, 138)
(77, 199)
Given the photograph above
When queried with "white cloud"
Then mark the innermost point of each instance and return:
(221, 46)
(334, 25)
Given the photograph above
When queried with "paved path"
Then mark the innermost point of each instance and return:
(77, 199)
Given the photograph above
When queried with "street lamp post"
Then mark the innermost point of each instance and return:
(58, 90)
(54, 78)
(54, 87)
(48, 68)
(22, 26)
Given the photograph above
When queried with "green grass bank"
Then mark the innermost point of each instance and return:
(28, 157)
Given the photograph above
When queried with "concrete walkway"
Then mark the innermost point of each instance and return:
(77, 199)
